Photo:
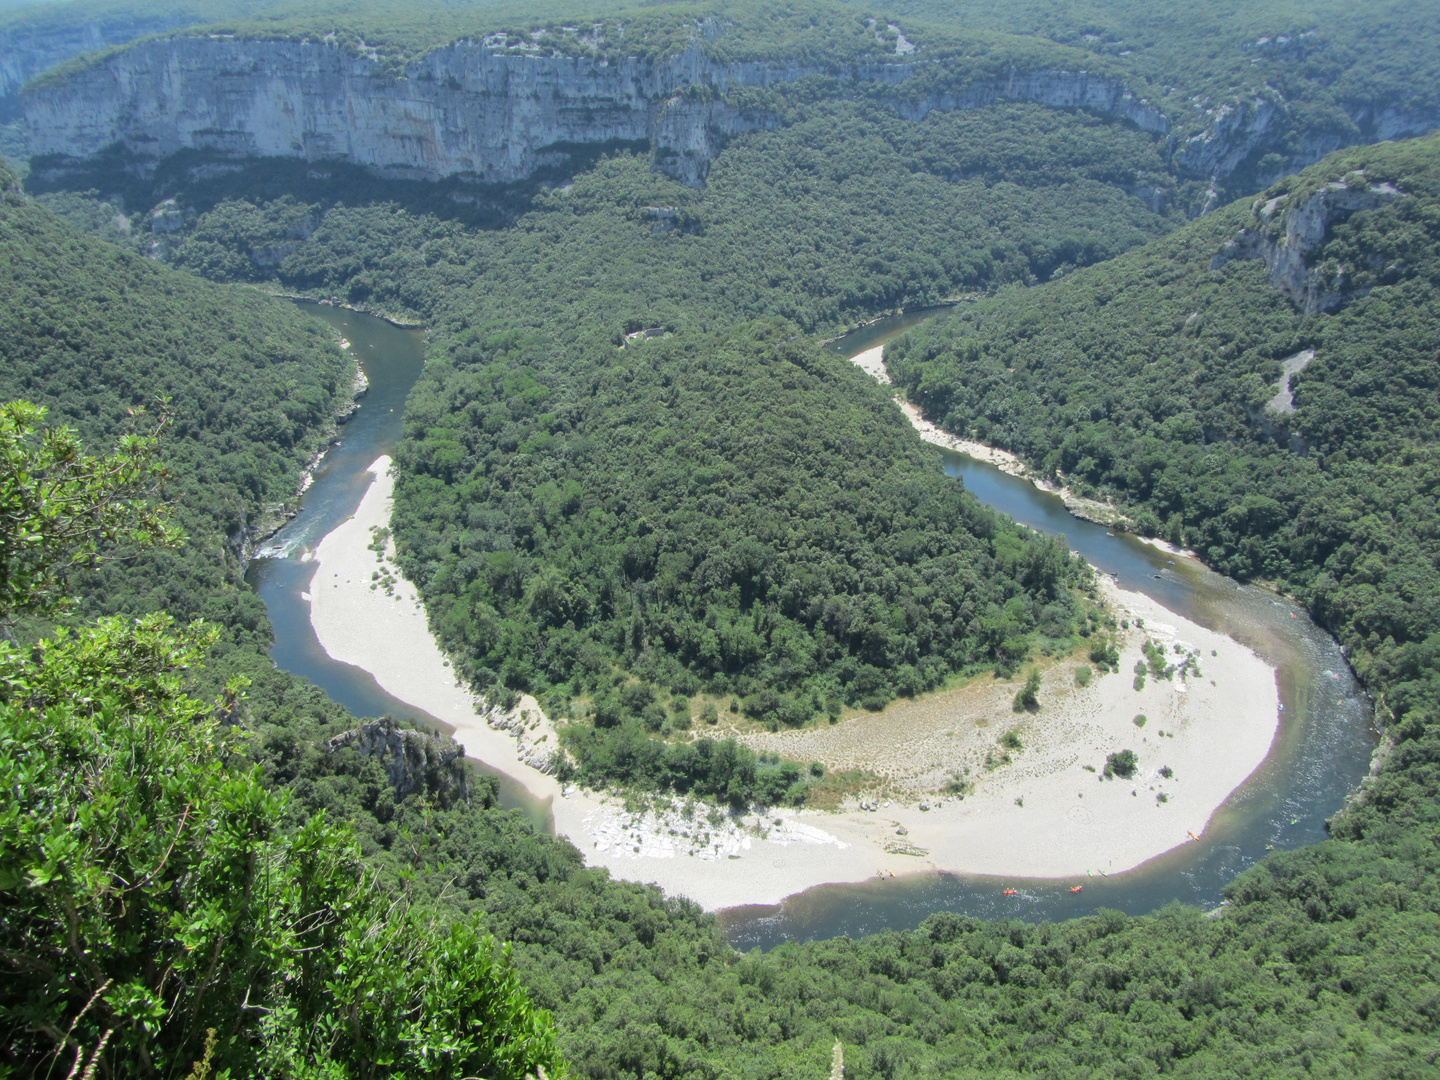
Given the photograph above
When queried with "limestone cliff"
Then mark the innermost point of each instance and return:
(1238, 133)
(412, 760)
(478, 110)
(466, 109)
(1286, 232)
(27, 48)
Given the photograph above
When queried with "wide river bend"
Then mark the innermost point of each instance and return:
(1321, 753)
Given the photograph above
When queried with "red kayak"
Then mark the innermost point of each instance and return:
(1077, 888)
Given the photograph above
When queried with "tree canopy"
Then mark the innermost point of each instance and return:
(567, 507)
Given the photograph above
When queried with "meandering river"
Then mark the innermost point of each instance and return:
(1322, 751)
(392, 358)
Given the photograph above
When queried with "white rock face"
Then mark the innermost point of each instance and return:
(463, 109)
(1284, 238)
(27, 50)
(413, 760)
(1240, 130)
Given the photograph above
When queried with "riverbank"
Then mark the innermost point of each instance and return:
(718, 860)
(872, 362)
(403, 322)
(1041, 814)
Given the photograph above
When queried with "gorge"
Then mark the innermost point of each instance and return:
(496, 109)
(618, 480)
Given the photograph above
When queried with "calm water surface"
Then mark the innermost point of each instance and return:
(1322, 752)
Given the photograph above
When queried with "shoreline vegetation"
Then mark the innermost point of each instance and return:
(402, 321)
(1036, 800)
(872, 362)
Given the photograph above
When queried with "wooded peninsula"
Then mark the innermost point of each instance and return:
(1190, 260)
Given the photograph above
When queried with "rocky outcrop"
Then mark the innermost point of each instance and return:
(28, 48)
(358, 389)
(468, 109)
(530, 728)
(1288, 230)
(412, 760)
(1238, 134)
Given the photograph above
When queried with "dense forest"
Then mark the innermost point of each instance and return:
(247, 388)
(1157, 380)
(567, 504)
(734, 514)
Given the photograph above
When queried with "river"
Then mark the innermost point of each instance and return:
(1322, 751)
(391, 357)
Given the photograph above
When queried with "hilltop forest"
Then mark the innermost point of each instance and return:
(611, 520)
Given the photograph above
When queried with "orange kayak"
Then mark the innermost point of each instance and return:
(1077, 888)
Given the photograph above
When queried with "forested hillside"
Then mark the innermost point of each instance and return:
(847, 210)
(1161, 379)
(723, 504)
(249, 386)
(735, 513)
(161, 915)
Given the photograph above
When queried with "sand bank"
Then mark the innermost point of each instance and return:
(1041, 814)
(872, 361)
(360, 618)
(1045, 810)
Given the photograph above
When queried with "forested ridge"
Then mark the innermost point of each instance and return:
(1150, 379)
(734, 514)
(1321, 964)
(247, 386)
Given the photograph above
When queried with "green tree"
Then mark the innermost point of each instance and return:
(158, 910)
(1121, 764)
(61, 509)
(1027, 698)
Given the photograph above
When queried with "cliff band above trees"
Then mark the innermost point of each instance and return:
(469, 109)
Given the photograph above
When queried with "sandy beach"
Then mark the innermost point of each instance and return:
(1042, 813)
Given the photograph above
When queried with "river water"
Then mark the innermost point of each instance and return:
(392, 358)
(1321, 753)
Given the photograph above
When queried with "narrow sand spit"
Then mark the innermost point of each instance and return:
(872, 362)
(1218, 727)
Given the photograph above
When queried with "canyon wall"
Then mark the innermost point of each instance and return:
(463, 109)
(1286, 237)
(469, 109)
(28, 48)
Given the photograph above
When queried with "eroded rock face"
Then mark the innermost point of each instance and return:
(1285, 238)
(463, 109)
(26, 51)
(1239, 132)
(413, 761)
(474, 110)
